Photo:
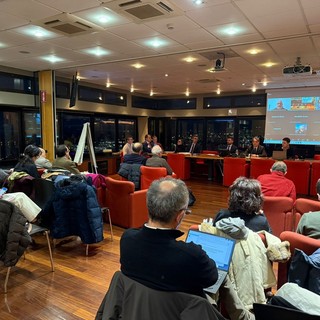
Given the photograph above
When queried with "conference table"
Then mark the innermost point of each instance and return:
(304, 173)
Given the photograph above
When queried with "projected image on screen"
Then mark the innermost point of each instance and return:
(295, 117)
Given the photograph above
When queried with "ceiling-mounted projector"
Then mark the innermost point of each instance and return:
(307, 70)
(297, 69)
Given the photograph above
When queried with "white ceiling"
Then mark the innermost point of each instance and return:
(280, 30)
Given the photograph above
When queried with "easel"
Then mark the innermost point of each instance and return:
(86, 136)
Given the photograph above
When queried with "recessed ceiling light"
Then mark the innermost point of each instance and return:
(232, 31)
(189, 59)
(137, 65)
(151, 93)
(108, 84)
(218, 91)
(97, 51)
(268, 64)
(264, 83)
(254, 51)
(156, 43)
(132, 89)
(198, 2)
(254, 89)
(36, 31)
(166, 75)
(53, 59)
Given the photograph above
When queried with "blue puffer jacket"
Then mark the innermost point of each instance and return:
(76, 211)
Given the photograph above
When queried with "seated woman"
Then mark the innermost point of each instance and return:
(245, 202)
(27, 161)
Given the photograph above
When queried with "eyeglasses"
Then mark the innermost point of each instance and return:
(187, 210)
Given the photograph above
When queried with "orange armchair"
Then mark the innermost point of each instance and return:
(149, 174)
(302, 206)
(259, 166)
(299, 173)
(128, 208)
(278, 211)
(299, 241)
(180, 165)
(234, 168)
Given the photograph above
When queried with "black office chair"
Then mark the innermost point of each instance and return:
(268, 311)
(43, 190)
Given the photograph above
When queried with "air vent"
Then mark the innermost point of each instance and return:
(67, 25)
(143, 10)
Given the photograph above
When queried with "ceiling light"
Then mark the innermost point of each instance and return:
(254, 89)
(97, 51)
(189, 59)
(108, 84)
(198, 2)
(187, 92)
(231, 31)
(166, 75)
(35, 31)
(268, 64)
(132, 89)
(137, 65)
(151, 93)
(264, 83)
(156, 43)
(53, 59)
(218, 91)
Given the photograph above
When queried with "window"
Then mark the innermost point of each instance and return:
(104, 134)
(217, 132)
(32, 128)
(16, 83)
(126, 127)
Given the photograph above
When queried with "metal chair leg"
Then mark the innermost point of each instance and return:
(49, 248)
(6, 280)
(87, 249)
(110, 223)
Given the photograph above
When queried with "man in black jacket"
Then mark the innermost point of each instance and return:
(153, 257)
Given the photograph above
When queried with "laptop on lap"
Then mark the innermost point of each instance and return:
(219, 249)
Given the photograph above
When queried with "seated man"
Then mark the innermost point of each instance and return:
(256, 150)
(195, 146)
(285, 146)
(231, 148)
(147, 144)
(42, 162)
(152, 255)
(63, 160)
(135, 156)
(275, 184)
(127, 148)
(157, 161)
(309, 224)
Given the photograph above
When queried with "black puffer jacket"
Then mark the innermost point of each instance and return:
(14, 237)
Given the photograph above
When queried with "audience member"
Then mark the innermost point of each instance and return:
(135, 156)
(256, 150)
(275, 184)
(286, 147)
(155, 142)
(309, 224)
(127, 148)
(231, 148)
(28, 208)
(147, 144)
(245, 202)
(179, 147)
(157, 161)
(64, 161)
(27, 161)
(42, 162)
(195, 146)
(153, 257)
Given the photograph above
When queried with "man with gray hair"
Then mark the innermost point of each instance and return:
(157, 161)
(275, 183)
(135, 156)
(155, 258)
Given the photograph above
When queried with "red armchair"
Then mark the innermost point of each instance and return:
(149, 174)
(278, 211)
(315, 176)
(234, 168)
(180, 165)
(299, 241)
(259, 166)
(299, 173)
(302, 206)
(316, 157)
(128, 208)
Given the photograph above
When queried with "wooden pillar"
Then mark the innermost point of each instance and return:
(48, 111)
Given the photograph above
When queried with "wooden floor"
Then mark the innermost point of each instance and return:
(79, 283)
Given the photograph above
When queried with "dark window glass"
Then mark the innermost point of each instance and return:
(145, 103)
(32, 128)
(10, 134)
(250, 100)
(16, 83)
(126, 127)
(115, 98)
(217, 102)
(248, 128)
(104, 133)
(90, 94)
(62, 90)
(189, 127)
(176, 104)
(217, 132)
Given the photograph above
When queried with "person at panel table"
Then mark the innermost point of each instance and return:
(127, 148)
(231, 148)
(195, 146)
(285, 146)
(155, 142)
(256, 150)
(147, 144)
(180, 147)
